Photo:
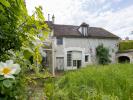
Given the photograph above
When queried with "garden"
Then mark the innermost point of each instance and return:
(23, 77)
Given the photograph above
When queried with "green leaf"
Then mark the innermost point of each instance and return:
(1, 78)
(7, 83)
(1, 8)
(5, 3)
(27, 53)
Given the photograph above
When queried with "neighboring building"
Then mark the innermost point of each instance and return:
(75, 46)
(125, 53)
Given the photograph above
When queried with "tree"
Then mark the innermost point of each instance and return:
(19, 42)
(103, 55)
(10, 12)
(17, 28)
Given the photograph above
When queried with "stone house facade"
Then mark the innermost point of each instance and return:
(74, 47)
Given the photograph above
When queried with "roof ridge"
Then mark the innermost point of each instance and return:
(72, 30)
(66, 25)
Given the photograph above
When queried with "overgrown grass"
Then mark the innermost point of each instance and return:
(110, 82)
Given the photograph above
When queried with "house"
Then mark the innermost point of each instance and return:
(75, 46)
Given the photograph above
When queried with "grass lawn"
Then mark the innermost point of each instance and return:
(110, 82)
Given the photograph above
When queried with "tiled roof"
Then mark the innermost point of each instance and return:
(66, 30)
(72, 31)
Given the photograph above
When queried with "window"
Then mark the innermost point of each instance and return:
(84, 31)
(86, 58)
(74, 62)
(69, 58)
(59, 41)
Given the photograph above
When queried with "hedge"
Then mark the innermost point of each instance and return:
(125, 45)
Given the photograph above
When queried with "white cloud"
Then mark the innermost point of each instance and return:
(95, 12)
(119, 22)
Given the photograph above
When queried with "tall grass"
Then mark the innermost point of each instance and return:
(110, 82)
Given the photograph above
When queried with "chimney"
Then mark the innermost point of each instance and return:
(48, 17)
(53, 18)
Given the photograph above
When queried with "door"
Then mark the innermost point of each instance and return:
(59, 63)
(78, 63)
(77, 58)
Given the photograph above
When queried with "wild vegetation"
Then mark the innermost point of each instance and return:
(20, 43)
(109, 82)
(125, 45)
(21, 56)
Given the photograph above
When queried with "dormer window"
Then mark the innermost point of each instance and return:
(84, 29)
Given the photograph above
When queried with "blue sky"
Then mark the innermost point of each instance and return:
(115, 16)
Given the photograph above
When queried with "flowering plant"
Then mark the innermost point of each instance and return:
(8, 69)
(10, 81)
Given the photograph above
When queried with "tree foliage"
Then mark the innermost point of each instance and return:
(17, 28)
(21, 38)
(102, 54)
(10, 12)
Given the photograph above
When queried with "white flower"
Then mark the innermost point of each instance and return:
(8, 69)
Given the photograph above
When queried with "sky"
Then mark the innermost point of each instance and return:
(115, 16)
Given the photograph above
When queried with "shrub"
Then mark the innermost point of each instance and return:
(125, 45)
(102, 54)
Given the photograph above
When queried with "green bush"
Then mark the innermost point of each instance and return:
(125, 45)
(110, 82)
(102, 55)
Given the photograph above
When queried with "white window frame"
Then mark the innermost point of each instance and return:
(69, 52)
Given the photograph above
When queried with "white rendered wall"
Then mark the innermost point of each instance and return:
(87, 46)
